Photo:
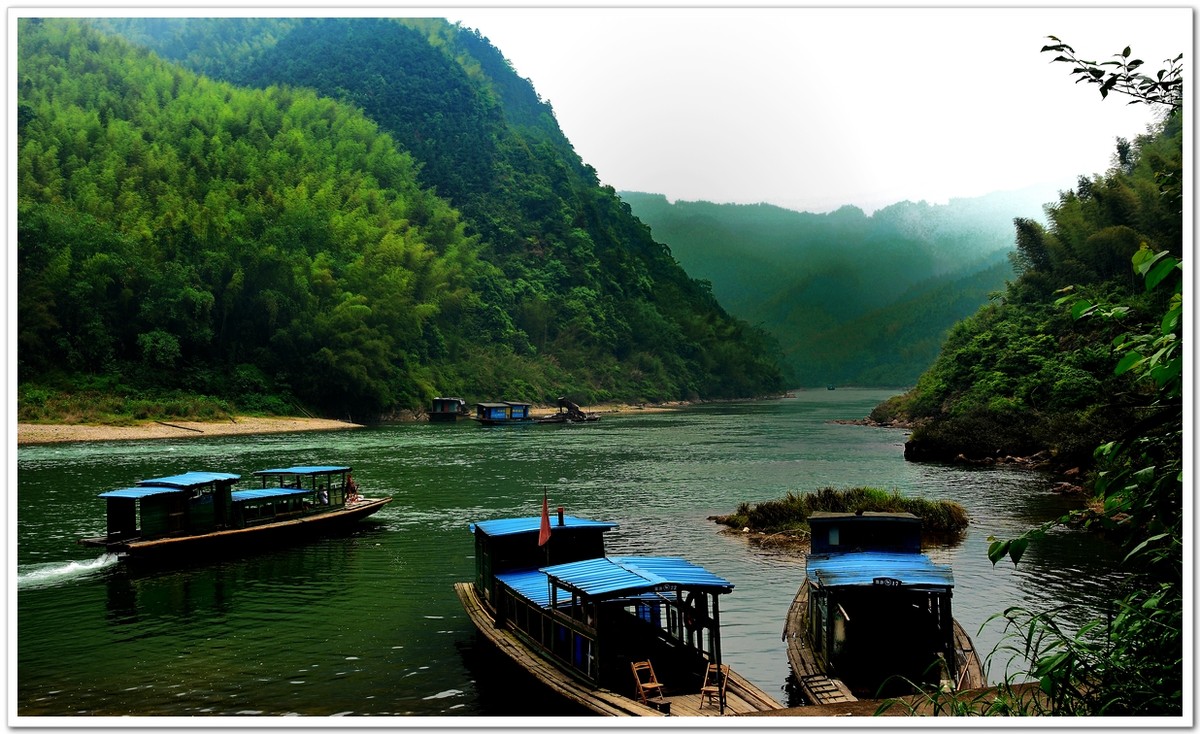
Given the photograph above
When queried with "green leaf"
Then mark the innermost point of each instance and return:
(1128, 361)
(1161, 270)
(1081, 308)
(998, 550)
(1016, 549)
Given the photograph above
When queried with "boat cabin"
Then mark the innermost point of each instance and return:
(447, 409)
(194, 502)
(294, 490)
(594, 615)
(879, 611)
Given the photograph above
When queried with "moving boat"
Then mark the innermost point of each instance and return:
(873, 617)
(617, 635)
(200, 512)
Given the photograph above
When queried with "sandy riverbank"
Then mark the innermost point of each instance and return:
(37, 433)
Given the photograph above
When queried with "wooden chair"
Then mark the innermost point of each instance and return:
(647, 682)
(713, 687)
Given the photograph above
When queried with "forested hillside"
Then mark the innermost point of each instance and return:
(1022, 375)
(852, 299)
(361, 215)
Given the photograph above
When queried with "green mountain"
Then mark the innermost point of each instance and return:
(350, 214)
(852, 299)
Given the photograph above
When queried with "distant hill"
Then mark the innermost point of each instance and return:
(350, 214)
(853, 299)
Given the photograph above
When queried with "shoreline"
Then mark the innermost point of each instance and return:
(37, 434)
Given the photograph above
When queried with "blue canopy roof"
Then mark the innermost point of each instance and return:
(261, 494)
(512, 526)
(861, 569)
(304, 470)
(619, 575)
(529, 583)
(188, 480)
(139, 492)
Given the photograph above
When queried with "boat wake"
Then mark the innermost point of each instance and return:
(53, 574)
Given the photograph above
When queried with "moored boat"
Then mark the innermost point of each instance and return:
(199, 513)
(872, 618)
(617, 635)
(447, 409)
(569, 412)
(503, 413)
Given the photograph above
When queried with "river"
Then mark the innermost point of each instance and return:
(368, 624)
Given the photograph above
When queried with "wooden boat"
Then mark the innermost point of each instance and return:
(447, 409)
(578, 620)
(503, 413)
(873, 617)
(568, 412)
(200, 513)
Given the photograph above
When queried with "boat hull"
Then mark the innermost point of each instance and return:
(224, 542)
(819, 688)
(742, 696)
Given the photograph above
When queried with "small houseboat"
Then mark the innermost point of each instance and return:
(618, 636)
(448, 409)
(200, 513)
(503, 413)
(872, 618)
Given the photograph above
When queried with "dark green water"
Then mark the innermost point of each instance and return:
(368, 624)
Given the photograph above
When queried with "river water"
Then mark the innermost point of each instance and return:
(368, 624)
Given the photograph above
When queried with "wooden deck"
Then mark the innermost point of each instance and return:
(741, 696)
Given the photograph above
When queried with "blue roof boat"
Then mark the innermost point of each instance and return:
(873, 617)
(198, 514)
(578, 619)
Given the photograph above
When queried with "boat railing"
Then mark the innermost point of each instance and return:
(566, 639)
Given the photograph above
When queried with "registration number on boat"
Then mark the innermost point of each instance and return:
(886, 581)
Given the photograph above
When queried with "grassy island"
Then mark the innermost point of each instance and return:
(789, 516)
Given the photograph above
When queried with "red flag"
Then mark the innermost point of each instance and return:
(544, 533)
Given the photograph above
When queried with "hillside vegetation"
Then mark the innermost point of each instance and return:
(350, 215)
(853, 299)
(1022, 375)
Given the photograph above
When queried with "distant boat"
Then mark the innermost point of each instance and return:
(448, 409)
(503, 413)
(872, 617)
(568, 412)
(199, 513)
(619, 636)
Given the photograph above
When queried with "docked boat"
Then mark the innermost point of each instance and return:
(618, 636)
(448, 410)
(503, 413)
(873, 616)
(200, 513)
(569, 412)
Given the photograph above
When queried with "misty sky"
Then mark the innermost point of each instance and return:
(815, 108)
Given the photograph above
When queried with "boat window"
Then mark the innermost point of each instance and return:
(833, 536)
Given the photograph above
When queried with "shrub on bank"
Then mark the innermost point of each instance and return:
(790, 513)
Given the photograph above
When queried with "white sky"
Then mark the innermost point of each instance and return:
(814, 108)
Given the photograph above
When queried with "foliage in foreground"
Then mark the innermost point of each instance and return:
(790, 513)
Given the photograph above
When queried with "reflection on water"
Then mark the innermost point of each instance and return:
(368, 624)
